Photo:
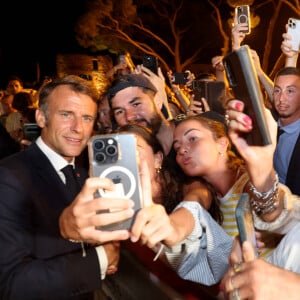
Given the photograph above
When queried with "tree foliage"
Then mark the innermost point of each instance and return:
(181, 32)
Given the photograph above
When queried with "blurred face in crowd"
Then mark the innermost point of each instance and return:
(68, 123)
(286, 95)
(133, 104)
(104, 116)
(7, 104)
(198, 151)
(14, 86)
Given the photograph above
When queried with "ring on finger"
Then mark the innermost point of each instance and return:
(237, 267)
(227, 120)
(236, 294)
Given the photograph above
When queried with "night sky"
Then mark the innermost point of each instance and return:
(33, 32)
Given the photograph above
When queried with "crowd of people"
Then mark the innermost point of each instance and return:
(195, 164)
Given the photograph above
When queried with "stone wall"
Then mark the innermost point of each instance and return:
(87, 66)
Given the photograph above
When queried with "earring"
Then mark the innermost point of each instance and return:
(221, 153)
(157, 170)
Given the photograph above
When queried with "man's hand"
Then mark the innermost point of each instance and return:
(112, 251)
(79, 220)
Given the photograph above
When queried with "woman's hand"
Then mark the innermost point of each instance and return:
(259, 159)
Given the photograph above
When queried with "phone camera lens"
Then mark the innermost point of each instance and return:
(111, 150)
(100, 157)
(99, 145)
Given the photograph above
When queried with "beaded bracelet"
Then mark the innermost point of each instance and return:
(264, 203)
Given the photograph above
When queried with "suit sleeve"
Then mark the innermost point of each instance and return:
(24, 272)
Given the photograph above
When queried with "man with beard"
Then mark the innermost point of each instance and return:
(286, 95)
(133, 98)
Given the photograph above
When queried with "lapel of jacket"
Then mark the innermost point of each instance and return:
(292, 178)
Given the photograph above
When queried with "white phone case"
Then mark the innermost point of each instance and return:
(294, 31)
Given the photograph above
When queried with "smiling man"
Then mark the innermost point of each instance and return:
(133, 98)
(286, 95)
(37, 259)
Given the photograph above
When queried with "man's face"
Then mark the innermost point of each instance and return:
(286, 95)
(14, 86)
(104, 116)
(70, 121)
(7, 104)
(132, 104)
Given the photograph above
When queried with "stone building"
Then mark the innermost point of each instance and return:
(86, 66)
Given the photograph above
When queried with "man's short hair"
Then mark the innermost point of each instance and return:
(288, 71)
(129, 80)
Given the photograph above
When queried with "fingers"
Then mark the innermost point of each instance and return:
(195, 107)
(248, 251)
(79, 220)
(205, 104)
(151, 225)
(236, 252)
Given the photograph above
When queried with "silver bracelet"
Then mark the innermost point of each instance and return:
(265, 195)
(264, 203)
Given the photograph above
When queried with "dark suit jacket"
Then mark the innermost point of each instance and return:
(293, 174)
(35, 261)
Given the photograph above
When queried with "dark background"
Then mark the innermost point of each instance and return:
(33, 32)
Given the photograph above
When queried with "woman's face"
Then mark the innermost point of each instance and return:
(145, 151)
(197, 153)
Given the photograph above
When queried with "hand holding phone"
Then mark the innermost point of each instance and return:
(114, 156)
(242, 14)
(151, 62)
(294, 32)
(180, 78)
(212, 91)
(243, 80)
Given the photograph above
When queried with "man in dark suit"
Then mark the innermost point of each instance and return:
(286, 95)
(37, 260)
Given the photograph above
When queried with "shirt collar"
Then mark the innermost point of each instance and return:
(295, 126)
(57, 161)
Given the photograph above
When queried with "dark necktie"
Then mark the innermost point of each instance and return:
(71, 180)
(280, 131)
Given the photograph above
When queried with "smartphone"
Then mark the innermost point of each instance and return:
(244, 220)
(121, 58)
(115, 156)
(243, 16)
(212, 91)
(150, 62)
(180, 78)
(243, 81)
(31, 131)
(294, 31)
